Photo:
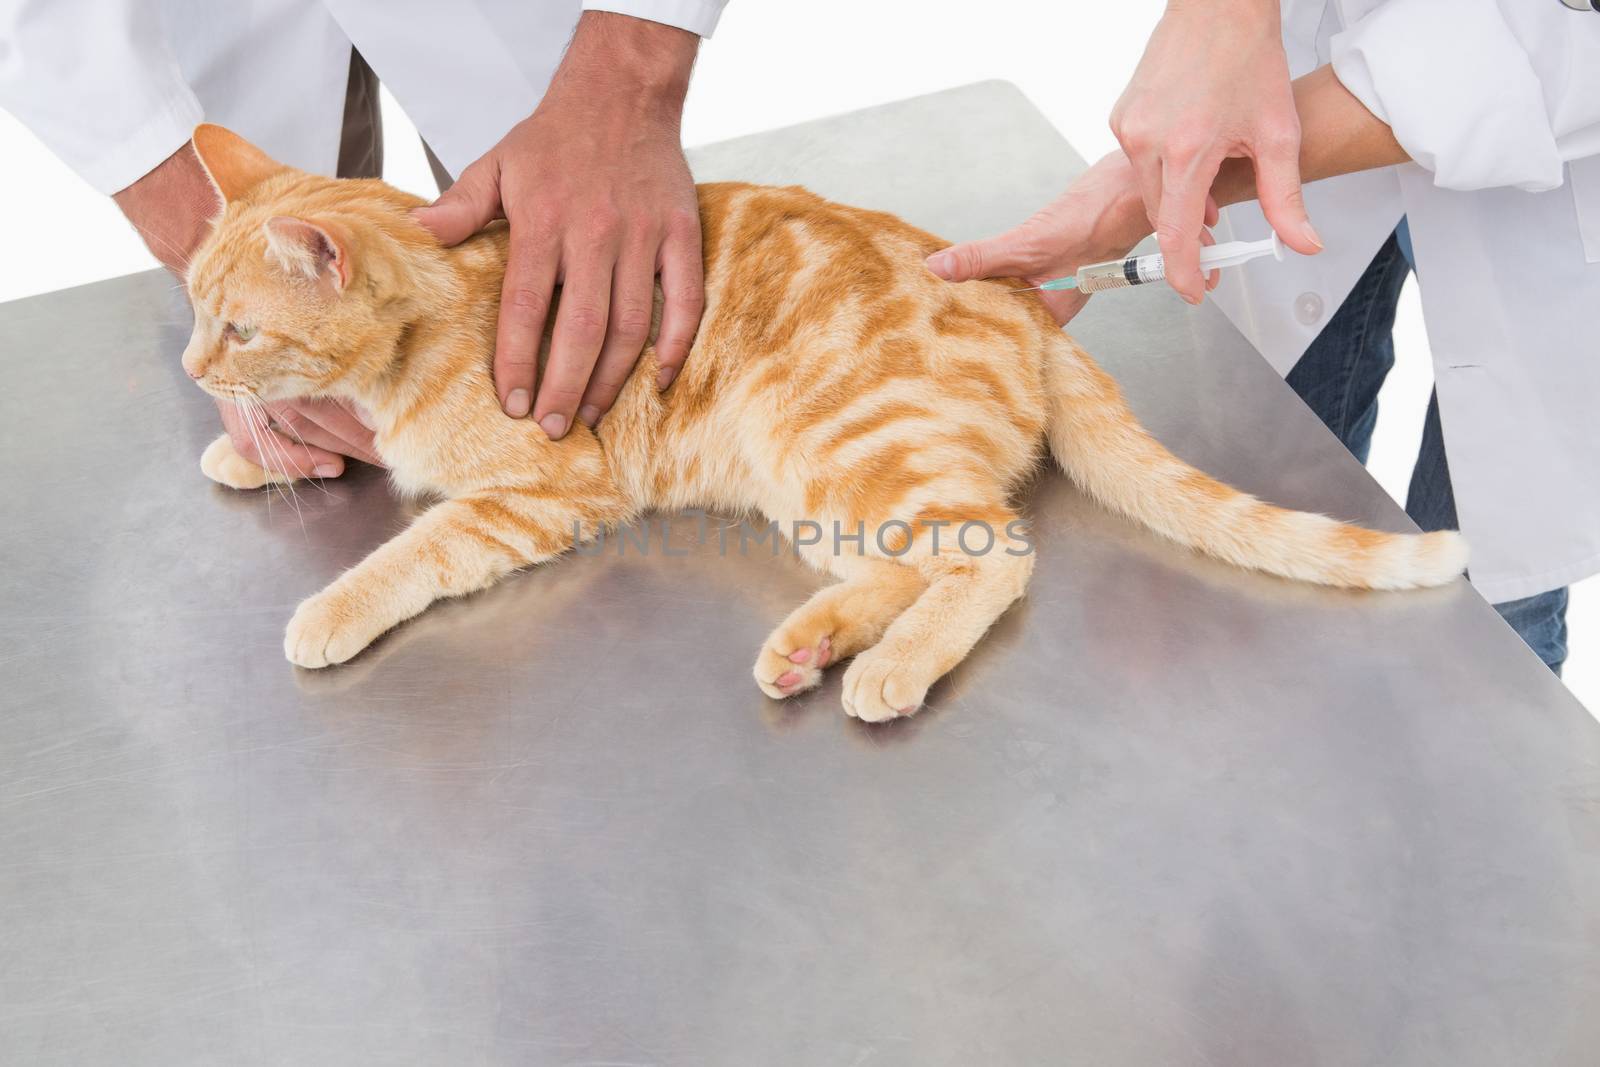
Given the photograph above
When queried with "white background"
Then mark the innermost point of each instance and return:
(772, 65)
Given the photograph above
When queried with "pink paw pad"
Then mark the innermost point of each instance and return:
(787, 680)
(822, 654)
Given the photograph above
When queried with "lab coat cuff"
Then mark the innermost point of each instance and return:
(163, 131)
(1471, 110)
(697, 16)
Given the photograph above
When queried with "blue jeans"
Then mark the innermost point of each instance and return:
(1339, 378)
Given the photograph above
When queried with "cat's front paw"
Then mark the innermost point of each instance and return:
(886, 682)
(328, 628)
(221, 462)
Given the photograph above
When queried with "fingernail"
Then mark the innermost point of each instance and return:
(327, 470)
(1310, 232)
(664, 377)
(589, 415)
(1192, 300)
(517, 403)
(942, 263)
(553, 424)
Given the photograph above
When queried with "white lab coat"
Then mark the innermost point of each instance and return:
(1498, 101)
(113, 87)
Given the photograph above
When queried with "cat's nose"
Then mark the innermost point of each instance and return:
(194, 372)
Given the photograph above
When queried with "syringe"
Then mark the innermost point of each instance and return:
(1137, 270)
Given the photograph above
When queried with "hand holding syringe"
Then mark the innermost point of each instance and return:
(1137, 270)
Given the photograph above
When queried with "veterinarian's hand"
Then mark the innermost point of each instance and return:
(600, 201)
(1213, 84)
(171, 207)
(299, 438)
(1099, 218)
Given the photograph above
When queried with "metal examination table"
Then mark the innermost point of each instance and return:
(1168, 813)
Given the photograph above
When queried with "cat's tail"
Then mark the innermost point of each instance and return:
(1100, 444)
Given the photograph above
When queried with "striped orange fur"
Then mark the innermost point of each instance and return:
(833, 381)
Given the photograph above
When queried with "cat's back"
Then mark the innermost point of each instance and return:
(825, 340)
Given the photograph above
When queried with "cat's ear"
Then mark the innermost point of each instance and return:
(234, 165)
(315, 250)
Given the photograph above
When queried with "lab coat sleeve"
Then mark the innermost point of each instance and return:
(95, 81)
(1483, 93)
(696, 16)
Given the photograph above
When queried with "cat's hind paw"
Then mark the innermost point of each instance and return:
(222, 463)
(326, 629)
(787, 665)
(837, 622)
(883, 683)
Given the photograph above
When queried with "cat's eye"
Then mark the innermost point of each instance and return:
(243, 333)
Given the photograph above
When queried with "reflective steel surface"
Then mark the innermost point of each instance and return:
(1168, 813)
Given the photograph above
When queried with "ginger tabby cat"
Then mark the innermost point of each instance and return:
(833, 380)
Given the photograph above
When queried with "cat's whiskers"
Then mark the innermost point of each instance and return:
(274, 451)
(180, 255)
(269, 450)
(241, 402)
(314, 478)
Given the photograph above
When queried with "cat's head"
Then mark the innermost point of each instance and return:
(300, 287)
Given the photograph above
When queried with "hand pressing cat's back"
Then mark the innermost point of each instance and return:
(834, 381)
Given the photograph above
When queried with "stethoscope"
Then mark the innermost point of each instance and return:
(1583, 5)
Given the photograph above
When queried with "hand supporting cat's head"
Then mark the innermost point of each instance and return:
(303, 286)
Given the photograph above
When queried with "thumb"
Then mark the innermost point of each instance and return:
(466, 207)
(1283, 203)
(1004, 255)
